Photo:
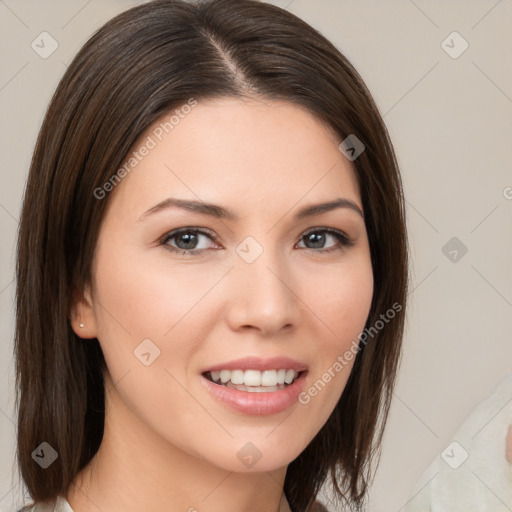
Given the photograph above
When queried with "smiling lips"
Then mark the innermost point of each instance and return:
(254, 380)
(256, 386)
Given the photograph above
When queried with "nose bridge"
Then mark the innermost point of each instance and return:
(263, 298)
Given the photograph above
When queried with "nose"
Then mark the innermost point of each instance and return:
(263, 296)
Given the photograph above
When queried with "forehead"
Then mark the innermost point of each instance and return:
(230, 148)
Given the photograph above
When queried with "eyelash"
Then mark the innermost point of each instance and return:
(344, 240)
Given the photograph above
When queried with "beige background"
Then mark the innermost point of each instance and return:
(450, 121)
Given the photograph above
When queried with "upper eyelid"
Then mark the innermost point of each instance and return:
(201, 231)
(327, 229)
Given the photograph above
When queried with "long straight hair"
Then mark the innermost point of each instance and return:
(139, 65)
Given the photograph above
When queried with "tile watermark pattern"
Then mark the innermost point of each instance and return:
(454, 249)
(147, 352)
(44, 45)
(249, 249)
(249, 455)
(45, 455)
(454, 45)
(420, 74)
(455, 455)
(351, 147)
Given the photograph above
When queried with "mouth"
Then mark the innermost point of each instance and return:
(254, 385)
(254, 381)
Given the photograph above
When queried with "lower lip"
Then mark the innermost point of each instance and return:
(260, 404)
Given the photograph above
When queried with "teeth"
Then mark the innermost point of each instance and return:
(290, 375)
(254, 378)
(237, 377)
(269, 378)
(249, 378)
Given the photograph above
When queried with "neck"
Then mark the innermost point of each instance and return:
(136, 469)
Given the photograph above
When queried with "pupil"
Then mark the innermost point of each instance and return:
(320, 239)
(186, 236)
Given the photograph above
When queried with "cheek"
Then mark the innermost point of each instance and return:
(138, 301)
(142, 298)
(341, 297)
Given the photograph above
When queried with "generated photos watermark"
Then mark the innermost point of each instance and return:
(151, 142)
(344, 359)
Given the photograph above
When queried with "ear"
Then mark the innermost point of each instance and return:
(82, 312)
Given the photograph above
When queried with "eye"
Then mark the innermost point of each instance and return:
(187, 240)
(317, 238)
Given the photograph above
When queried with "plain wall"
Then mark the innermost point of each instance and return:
(450, 122)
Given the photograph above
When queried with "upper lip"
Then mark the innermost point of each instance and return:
(258, 363)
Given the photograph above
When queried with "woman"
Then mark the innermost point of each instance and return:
(212, 270)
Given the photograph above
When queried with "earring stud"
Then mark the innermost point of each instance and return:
(81, 324)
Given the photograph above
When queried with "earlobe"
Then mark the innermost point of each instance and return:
(82, 316)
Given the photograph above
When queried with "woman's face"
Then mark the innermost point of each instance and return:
(264, 294)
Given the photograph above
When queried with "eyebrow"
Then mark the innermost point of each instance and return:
(220, 212)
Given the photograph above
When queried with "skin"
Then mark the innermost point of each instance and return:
(168, 444)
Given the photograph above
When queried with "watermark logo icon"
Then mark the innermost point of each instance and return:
(454, 45)
(454, 249)
(454, 455)
(45, 455)
(249, 454)
(146, 352)
(249, 249)
(352, 147)
(44, 45)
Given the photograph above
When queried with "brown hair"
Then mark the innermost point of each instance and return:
(135, 68)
